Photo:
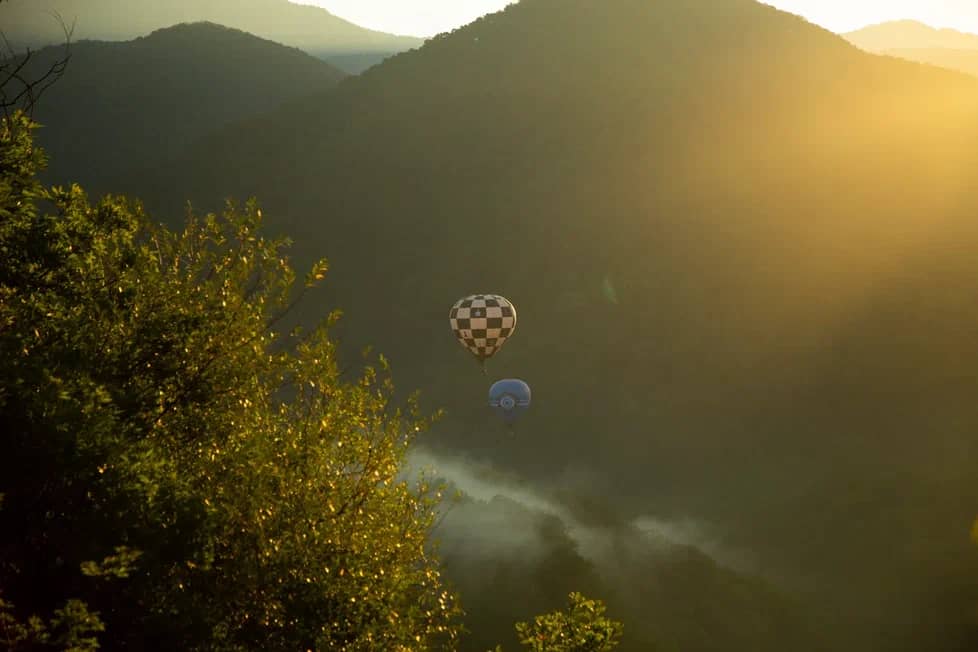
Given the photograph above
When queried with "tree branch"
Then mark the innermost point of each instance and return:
(18, 91)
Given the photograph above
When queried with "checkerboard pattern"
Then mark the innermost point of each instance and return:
(482, 323)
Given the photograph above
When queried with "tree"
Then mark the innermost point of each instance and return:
(583, 627)
(174, 470)
(20, 91)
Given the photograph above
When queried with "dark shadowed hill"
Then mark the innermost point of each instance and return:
(742, 254)
(309, 28)
(142, 101)
(909, 39)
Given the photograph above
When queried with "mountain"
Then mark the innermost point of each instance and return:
(965, 61)
(30, 23)
(741, 250)
(910, 34)
(915, 41)
(148, 99)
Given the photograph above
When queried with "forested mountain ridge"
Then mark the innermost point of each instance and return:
(965, 61)
(148, 99)
(739, 247)
(310, 28)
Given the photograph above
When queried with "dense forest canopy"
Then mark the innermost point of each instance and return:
(169, 471)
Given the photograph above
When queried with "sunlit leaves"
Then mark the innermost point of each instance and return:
(73, 628)
(206, 481)
(317, 273)
(582, 627)
(117, 565)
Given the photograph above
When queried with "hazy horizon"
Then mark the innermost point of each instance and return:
(425, 18)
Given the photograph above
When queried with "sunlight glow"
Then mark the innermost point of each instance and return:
(429, 17)
(410, 17)
(845, 15)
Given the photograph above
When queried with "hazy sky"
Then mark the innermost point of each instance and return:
(429, 17)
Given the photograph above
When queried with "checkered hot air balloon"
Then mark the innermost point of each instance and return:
(482, 323)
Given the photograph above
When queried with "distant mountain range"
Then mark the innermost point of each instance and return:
(742, 253)
(916, 41)
(312, 29)
(120, 104)
(910, 34)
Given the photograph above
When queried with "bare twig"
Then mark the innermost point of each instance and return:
(19, 91)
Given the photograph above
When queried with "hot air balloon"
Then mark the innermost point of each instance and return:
(509, 398)
(482, 323)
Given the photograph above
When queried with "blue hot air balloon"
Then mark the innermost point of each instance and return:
(509, 398)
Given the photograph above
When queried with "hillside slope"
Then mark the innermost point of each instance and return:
(124, 104)
(739, 248)
(965, 61)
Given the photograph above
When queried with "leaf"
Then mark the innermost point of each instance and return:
(317, 272)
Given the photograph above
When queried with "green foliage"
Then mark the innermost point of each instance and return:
(74, 626)
(15, 634)
(175, 469)
(72, 629)
(117, 565)
(582, 627)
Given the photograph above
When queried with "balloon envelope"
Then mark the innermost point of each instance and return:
(482, 323)
(509, 398)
